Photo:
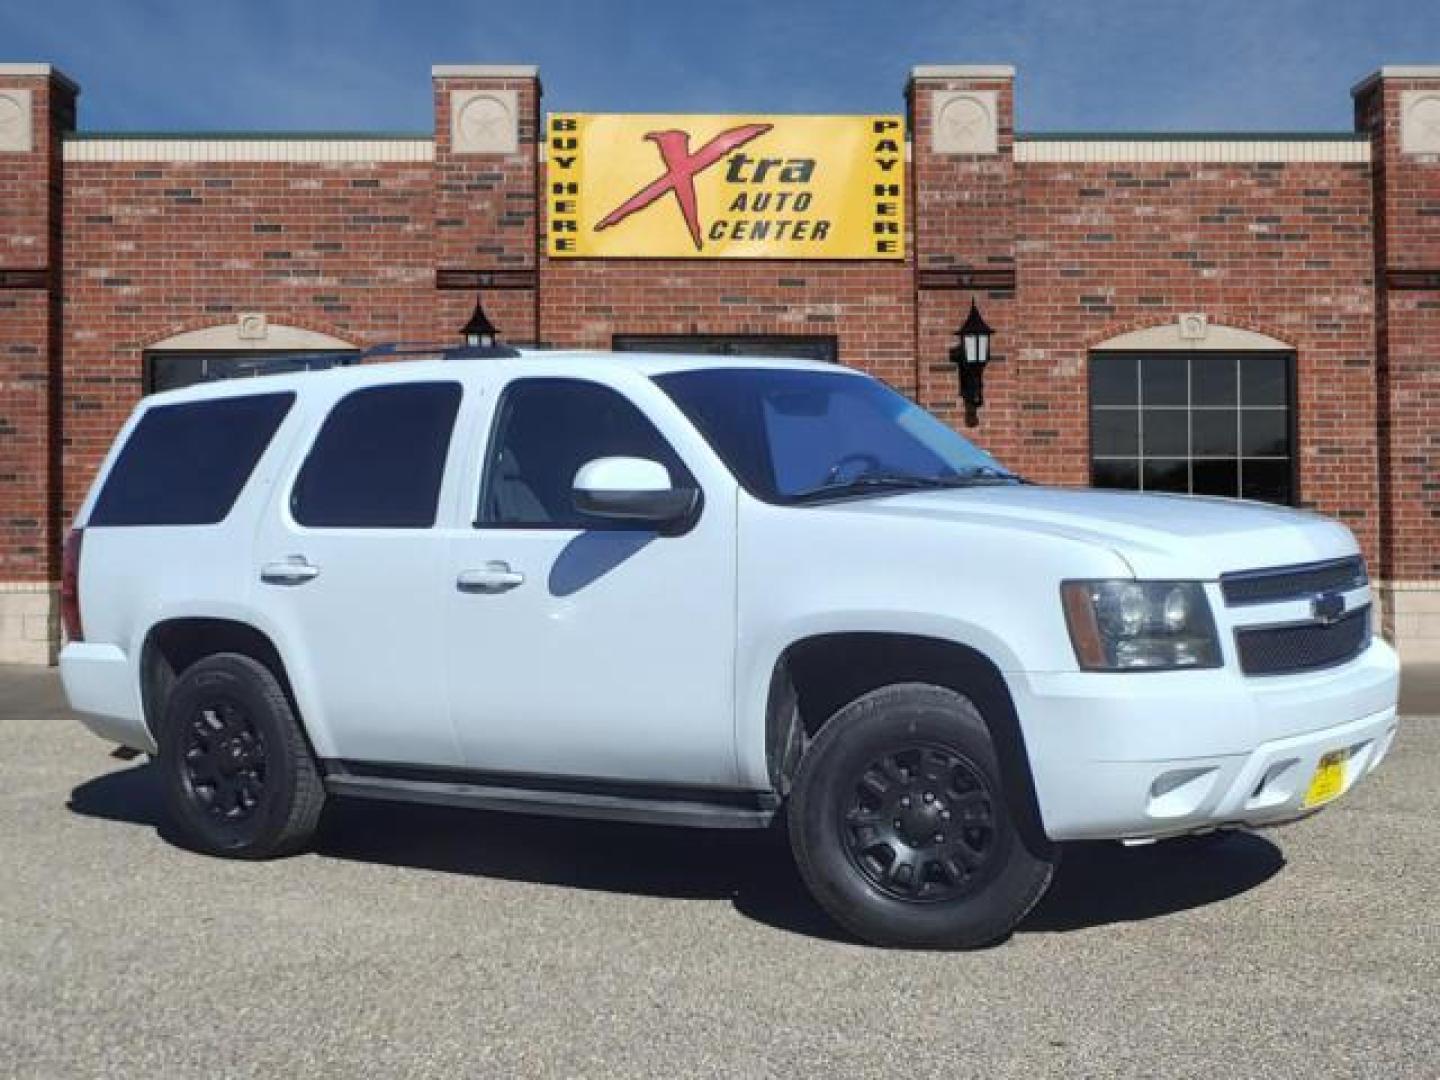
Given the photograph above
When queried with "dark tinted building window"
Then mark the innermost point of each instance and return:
(800, 346)
(172, 370)
(1196, 423)
(185, 464)
(379, 460)
(546, 430)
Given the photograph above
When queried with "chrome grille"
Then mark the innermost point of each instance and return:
(1300, 582)
(1282, 650)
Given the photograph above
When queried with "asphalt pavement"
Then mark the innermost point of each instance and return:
(421, 941)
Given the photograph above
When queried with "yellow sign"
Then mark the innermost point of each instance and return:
(727, 187)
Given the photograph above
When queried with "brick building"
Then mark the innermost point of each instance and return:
(1228, 314)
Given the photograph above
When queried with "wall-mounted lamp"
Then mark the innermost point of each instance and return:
(970, 355)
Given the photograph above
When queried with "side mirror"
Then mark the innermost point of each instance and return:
(634, 490)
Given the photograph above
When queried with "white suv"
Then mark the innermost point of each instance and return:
(699, 592)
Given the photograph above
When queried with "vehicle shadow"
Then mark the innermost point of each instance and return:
(1095, 884)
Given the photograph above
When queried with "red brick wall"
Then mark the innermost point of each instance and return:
(349, 249)
(1283, 249)
(1407, 206)
(1061, 257)
(964, 204)
(30, 376)
(486, 209)
(26, 533)
(866, 306)
(157, 248)
(1101, 249)
(964, 224)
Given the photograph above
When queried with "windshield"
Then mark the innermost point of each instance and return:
(793, 436)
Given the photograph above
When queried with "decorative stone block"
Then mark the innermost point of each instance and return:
(252, 326)
(17, 133)
(966, 122)
(484, 122)
(1411, 620)
(1420, 122)
(1194, 326)
(29, 618)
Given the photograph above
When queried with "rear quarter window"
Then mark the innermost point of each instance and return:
(186, 464)
(379, 459)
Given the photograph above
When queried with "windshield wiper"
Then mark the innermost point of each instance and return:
(983, 474)
(863, 485)
(880, 483)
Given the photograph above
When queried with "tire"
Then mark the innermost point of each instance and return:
(240, 781)
(874, 863)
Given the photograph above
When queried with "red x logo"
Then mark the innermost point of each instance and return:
(681, 168)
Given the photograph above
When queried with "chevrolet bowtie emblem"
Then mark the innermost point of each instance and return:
(1327, 608)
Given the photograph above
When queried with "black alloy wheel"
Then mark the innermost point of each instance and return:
(224, 761)
(921, 824)
(240, 780)
(902, 828)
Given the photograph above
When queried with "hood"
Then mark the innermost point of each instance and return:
(1160, 536)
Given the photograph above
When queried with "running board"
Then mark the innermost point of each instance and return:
(602, 800)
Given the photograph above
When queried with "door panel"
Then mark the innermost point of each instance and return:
(352, 567)
(595, 652)
(366, 630)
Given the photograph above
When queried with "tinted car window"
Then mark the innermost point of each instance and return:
(186, 464)
(546, 429)
(785, 433)
(379, 459)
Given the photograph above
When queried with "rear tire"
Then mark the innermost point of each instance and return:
(240, 781)
(900, 825)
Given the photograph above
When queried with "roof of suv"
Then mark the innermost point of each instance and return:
(544, 361)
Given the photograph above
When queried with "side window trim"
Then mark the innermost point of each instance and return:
(468, 444)
(498, 419)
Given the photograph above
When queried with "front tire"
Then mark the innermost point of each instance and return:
(900, 825)
(240, 781)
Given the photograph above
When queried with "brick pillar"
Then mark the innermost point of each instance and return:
(963, 209)
(1400, 108)
(486, 204)
(37, 105)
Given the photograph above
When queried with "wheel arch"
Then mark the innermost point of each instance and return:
(174, 644)
(815, 676)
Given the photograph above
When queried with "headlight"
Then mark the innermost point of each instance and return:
(1140, 625)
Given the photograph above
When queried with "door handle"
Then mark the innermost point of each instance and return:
(493, 577)
(296, 570)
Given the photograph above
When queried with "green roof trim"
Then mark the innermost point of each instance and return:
(1191, 136)
(251, 136)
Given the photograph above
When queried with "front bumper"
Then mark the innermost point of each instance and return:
(1161, 754)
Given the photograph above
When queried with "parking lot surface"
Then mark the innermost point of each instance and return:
(422, 941)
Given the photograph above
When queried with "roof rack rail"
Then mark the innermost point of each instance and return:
(289, 363)
(283, 363)
(439, 351)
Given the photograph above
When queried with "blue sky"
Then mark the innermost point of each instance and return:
(364, 64)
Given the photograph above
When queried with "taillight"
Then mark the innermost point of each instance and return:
(70, 586)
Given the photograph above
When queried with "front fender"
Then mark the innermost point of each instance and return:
(990, 587)
(757, 659)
